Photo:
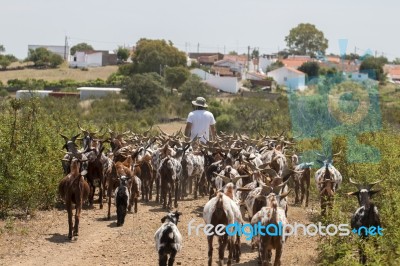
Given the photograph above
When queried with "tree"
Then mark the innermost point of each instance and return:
(373, 66)
(396, 61)
(176, 76)
(81, 47)
(4, 61)
(310, 68)
(143, 90)
(306, 39)
(43, 58)
(193, 87)
(2, 49)
(233, 53)
(275, 65)
(154, 55)
(122, 54)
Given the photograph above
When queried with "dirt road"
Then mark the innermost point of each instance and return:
(43, 239)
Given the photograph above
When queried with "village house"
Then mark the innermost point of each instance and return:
(93, 59)
(289, 77)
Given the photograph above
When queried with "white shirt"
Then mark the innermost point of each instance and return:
(201, 121)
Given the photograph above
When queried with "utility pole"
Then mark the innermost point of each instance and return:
(65, 47)
(248, 53)
(198, 47)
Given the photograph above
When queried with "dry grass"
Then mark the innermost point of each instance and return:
(61, 73)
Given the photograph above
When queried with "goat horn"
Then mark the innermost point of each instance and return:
(163, 132)
(64, 137)
(244, 189)
(370, 185)
(337, 153)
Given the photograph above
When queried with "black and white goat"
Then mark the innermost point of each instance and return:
(122, 199)
(168, 239)
(367, 214)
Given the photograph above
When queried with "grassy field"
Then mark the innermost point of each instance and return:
(63, 72)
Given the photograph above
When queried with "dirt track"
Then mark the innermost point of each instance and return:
(43, 239)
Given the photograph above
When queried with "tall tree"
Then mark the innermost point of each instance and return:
(306, 39)
(2, 49)
(143, 90)
(310, 68)
(176, 76)
(154, 55)
(373, 66)
(122, 54)
(81, 47)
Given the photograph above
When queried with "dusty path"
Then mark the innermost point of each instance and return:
(43, 240)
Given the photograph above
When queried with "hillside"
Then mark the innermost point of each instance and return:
(61, 73)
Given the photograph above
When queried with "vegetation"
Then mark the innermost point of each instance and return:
(155, 55)
(275, 65)
(122, 54)
(6, 60)
(373, 66)
(43, 58)
(306, 39)
(176, 76)
(81, 47)
(143, 90)
(311, 69)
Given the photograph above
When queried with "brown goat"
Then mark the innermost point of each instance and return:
(73, 189)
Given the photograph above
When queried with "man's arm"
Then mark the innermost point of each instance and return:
(188, 130)
(213, 132)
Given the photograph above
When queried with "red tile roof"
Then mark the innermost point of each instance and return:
(237, 58)
(295, 62)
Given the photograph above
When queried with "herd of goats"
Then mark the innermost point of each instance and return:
(239, 174)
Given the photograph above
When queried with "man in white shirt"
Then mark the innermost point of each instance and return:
(200, 122)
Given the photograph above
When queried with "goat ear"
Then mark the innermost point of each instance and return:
(163, 219)
(353, 193)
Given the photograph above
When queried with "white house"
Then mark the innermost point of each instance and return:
(226, 84)
(265, 61)
(92, 92)
(357, 76)
(27, 94)
(289, 77)
(93, 59)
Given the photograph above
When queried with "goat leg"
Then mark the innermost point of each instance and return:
(223, 241)
(77, 216)
(296, 191)
(303, 191)
(210, 249)
(278, 255)
(172, 257)
(162, 257)
(70, 225)
(196, 186)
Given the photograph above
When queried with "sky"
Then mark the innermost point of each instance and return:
(205, 26)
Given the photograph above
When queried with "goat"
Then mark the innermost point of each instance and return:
(122, 199)
(328, 180)
(366, 215)
(221, 210)
(73, 189)
(168, 239)
(170, 175)
(193, 169)
(270, 215)
(302, 182)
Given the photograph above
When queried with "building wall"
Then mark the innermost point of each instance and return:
(290, 79)
(88, 93)
(227, 84)
(201, 73)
